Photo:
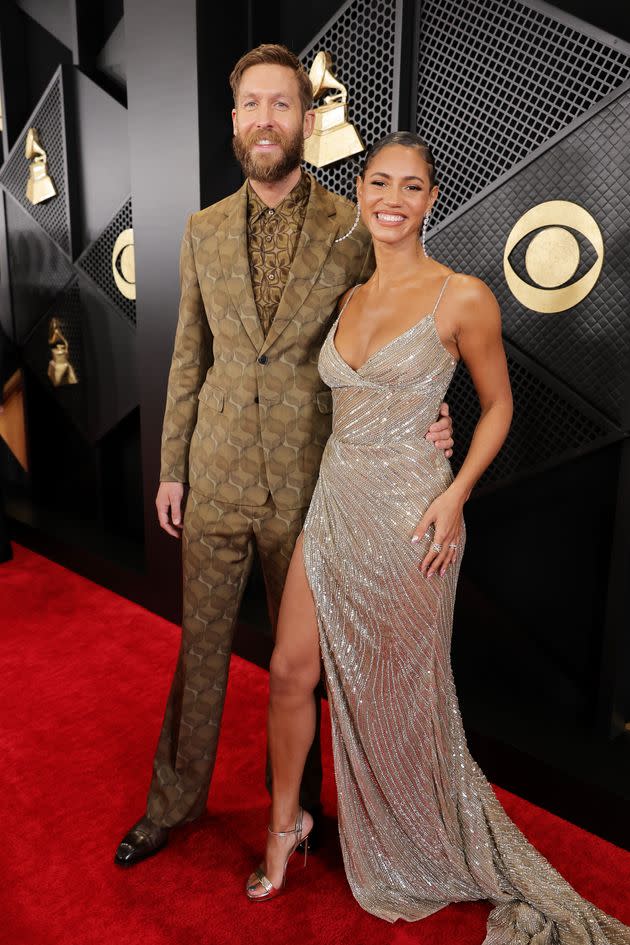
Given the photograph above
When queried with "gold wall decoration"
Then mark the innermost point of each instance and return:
(553, 256)
(333, 137)
(12, 423)
(39, 186)
(60, 370)
(124, 264)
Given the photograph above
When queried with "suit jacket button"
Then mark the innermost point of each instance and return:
(263, 359)
(256, 400)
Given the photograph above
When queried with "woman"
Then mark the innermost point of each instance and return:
(374, 576)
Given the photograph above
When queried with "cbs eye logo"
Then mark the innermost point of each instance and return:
(553, 256)
(124, 264)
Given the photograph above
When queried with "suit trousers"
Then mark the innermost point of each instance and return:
(217, 553)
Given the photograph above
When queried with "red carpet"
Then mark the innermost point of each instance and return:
(84, 678)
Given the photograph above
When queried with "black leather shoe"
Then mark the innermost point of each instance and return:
(143, 840)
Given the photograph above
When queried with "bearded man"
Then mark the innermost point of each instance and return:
(247, 415)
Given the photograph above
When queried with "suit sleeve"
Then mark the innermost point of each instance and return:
(192, 356)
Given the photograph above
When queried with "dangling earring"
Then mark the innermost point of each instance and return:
(353, 227)
(423, 235)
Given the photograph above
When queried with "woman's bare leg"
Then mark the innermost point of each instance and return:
(293, 676)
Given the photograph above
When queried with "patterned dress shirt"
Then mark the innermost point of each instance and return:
(272, 236)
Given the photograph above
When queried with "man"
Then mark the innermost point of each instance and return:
(247, 415)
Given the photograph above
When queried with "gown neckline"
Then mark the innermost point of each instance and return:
(388, 344)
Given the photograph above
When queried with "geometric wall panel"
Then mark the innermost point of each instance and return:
(361, 40)
(587, 347)
(102, 350)
(48, 118)
(39, 270)
(101, 127)
(545, 426)
(498, 80)
(96, 262)
(72, 397)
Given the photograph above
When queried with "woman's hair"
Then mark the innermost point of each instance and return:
(408, 139)
(274, 55)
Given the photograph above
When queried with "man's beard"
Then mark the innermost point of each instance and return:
(258, 167)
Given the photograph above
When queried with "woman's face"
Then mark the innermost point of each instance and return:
(395, 194)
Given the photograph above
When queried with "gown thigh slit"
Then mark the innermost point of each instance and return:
(420, 825)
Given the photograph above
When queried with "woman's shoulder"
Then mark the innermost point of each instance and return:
(468, 287)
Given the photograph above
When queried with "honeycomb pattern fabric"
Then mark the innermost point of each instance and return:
(420, 825)
(272, 235)
(246, 414)
(218, 544)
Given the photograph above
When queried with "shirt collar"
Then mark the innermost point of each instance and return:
(297, 198)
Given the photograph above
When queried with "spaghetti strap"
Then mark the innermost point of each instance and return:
(442, 290)
(345, 304)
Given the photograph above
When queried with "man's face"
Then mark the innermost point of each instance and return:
(269, 127)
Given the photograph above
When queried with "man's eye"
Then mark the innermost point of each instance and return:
(413, 187)
(248, 104)
(281, 105)
(378, 183)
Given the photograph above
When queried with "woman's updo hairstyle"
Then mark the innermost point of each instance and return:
(408, 139)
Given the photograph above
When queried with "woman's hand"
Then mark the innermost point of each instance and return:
(442, 522)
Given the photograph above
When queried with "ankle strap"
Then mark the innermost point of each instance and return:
(287, 833)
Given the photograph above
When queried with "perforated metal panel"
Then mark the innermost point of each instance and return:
(39, 270)
(496, 80)
(96, 261)
(587, 348)
(52, 215)
(544, 428)
(361, 41)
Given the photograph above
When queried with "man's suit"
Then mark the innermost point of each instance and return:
(247, 418)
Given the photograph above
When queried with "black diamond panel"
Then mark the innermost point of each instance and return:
(545, 426)
(68, 309)
(38, 269)
(52, 215)
(96, 261)
(361, 42)
(102, 352)
(496, 80)
(587, 347)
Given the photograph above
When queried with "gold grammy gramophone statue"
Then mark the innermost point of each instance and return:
(333, 137)
(60, 370)
(39, 186)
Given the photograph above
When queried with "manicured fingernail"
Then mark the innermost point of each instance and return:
(415, 539)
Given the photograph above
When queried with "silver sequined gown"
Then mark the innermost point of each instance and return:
(420, 825)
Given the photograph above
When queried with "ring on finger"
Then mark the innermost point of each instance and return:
(436, 546)
(453, 545)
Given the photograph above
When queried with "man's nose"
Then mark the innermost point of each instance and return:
(264, 118)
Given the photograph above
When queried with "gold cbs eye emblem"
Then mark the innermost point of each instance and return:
(553, 256)
(124, 264)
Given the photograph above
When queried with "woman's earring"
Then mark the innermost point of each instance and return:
(423, 236)
(353, 227)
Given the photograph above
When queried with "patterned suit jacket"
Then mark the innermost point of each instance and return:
(246, 414)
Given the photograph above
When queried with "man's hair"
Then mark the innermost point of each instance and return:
(275, 55)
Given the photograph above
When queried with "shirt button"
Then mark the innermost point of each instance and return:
(268, 238)
(271, 277)
(263, 359)
(270, 211)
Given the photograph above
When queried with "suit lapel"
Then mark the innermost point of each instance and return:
(316, 239)
(232, 240)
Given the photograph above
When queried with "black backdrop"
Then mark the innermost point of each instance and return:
(134, 103)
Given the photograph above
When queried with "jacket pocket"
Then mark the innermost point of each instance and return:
(213, 397)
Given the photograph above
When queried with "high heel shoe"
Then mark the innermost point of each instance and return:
(261, 880)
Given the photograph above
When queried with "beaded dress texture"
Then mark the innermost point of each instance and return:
(420, 825)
